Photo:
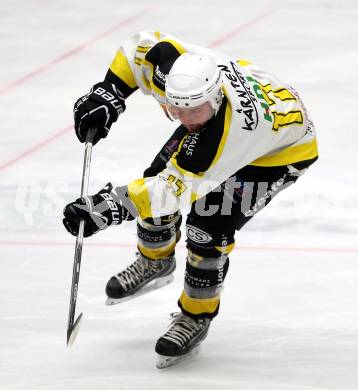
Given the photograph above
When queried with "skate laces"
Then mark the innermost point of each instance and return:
(135, 273)
(182, 329)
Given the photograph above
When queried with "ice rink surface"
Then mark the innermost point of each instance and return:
(288, 318)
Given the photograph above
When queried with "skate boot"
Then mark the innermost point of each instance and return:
(142, 276)
(182, 340)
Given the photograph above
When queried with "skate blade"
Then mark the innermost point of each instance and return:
(168, 361)
(154, 285)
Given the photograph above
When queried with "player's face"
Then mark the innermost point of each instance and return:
(193, 118)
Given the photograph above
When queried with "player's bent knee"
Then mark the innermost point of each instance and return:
(157, 238)
(207, 243)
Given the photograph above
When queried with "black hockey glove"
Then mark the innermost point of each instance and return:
(98, 211)
(99, 108)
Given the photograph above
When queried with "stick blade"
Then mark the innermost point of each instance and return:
(73, 331)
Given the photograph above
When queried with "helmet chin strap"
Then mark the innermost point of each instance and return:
(164, 107)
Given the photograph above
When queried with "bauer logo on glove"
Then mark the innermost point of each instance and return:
(99, 109)
(98, 211)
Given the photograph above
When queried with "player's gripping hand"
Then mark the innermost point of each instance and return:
(98, 211)
(99, 109)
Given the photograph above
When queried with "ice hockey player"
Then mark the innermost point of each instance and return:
(243, 136)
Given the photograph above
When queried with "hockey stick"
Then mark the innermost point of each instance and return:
(73, 326)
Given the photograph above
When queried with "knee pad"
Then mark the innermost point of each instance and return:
(157, 239)
(209, 242)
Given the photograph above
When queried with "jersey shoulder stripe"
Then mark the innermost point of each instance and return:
(198, 151)
(161, 58)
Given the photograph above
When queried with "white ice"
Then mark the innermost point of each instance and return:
(288, 318)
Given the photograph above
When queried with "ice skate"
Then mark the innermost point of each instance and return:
(182, 340)
(142, 276)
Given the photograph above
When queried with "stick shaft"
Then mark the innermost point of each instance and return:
(79, 238)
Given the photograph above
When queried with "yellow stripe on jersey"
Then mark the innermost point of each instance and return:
(120, 67)
(145, 62)
(182, 170)
(227, 124)
(199, 306)
(290, 155)
(150, 84)
(156, 89)
(145, 81)
(181, 49)
(181, 143)
(193, 197)
(139, 195)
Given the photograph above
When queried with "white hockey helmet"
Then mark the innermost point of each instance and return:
(193, 80)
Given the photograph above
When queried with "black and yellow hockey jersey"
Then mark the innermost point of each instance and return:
(261, 122)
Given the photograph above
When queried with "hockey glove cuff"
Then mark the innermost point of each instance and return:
(98, 211)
